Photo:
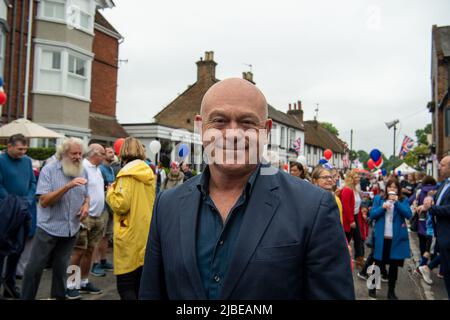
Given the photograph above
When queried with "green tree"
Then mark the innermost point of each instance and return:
(392, 163)
(413, 157)
(363, 157)
(330, 127)
(421, 134)
(353, 155)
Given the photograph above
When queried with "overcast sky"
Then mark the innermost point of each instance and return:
(364, 62)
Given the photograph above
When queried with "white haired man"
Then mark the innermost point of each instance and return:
(63, 203)
(93, 226)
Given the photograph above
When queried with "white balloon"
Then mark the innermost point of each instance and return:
(302, 160)
(155, 146)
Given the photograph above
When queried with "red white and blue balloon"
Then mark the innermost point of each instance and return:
(3, 97)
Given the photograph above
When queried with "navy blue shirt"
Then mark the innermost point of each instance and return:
(216, 240)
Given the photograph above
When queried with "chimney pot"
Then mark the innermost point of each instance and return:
(299, 105)
(290, 107)
(206, 68)
(248, 76)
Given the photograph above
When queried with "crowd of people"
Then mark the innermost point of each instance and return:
(374, 210)
(230, 233)
(67, 213)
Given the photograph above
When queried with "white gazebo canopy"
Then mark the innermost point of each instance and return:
(28, 129)
(405, 169)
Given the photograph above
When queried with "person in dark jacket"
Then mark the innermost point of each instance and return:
(16, 178)
(440, 212)
(243, 230)
(186, 171)
(15, 224)
(391, 233)
(428, 186)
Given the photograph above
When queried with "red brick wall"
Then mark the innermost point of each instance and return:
(442, 83)
(15, 98)
(104, 74)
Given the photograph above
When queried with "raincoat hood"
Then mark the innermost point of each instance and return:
(139, 170)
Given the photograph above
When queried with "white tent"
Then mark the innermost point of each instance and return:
(28, 129)
(405, 169)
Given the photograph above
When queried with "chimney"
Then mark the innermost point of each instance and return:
(297, 112)
(290, 107)
(248, 76)
(206, 68)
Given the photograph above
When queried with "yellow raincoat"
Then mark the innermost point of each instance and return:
(131, 198)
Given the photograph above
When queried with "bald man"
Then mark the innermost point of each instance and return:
(440, 211)
(242, 230)
(93, 226)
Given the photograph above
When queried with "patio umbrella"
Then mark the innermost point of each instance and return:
(28, 129)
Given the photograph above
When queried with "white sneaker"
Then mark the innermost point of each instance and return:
(426, 274)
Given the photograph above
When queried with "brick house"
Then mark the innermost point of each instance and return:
(439, 106)
(175, 122)
(72, 72)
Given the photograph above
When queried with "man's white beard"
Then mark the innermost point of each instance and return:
(71, 169)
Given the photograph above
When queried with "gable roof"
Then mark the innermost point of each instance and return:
(196, 92)
(318, 136)
(444, 40)
(101, 21)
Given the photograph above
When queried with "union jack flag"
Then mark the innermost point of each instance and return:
(407, 145)
(298, 145)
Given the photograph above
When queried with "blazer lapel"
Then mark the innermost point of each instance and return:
(189, 205)
(438, 193)
(444, 196)
(262, 205)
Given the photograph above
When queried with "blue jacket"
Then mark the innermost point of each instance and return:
(291, 245)
(15, 221)
(400, 241)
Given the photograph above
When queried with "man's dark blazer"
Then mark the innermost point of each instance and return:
(291, 245)
(441, 218)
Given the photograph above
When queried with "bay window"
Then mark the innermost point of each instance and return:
(62, 71)
(78, 14)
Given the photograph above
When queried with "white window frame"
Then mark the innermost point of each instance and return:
(274, 140)
(291, 139)
(64, 72)
(67, 4)
(283, 138)
(2, 51)
(41, 11)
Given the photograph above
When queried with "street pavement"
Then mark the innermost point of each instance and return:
(107, 284)
(410, 286)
